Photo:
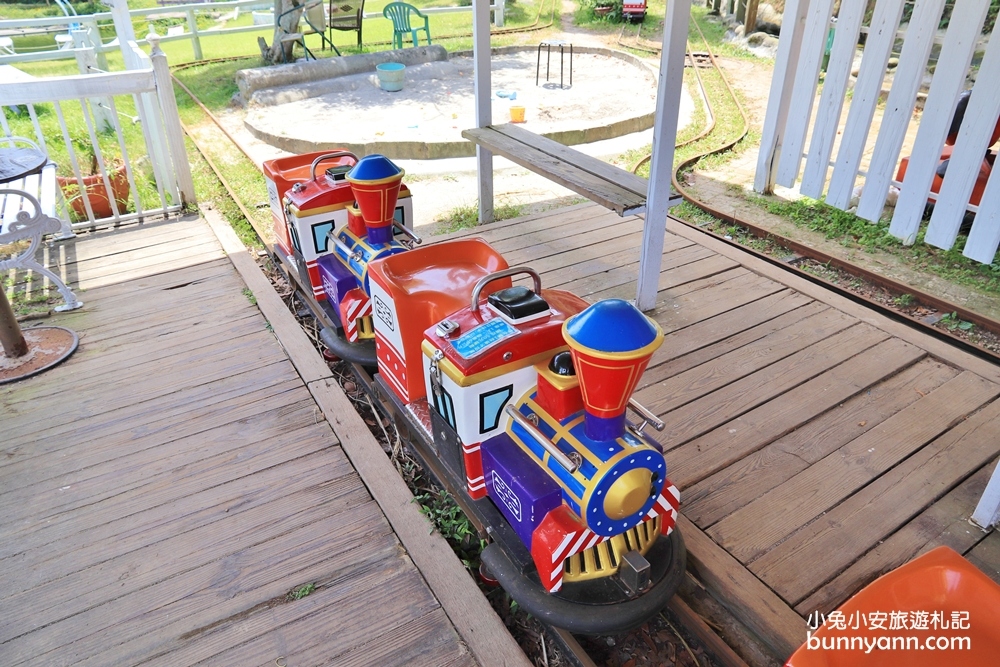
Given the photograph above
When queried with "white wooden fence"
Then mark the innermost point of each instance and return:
(89, 24)
(790, 118)
(99, 96)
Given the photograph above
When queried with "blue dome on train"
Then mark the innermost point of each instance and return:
(612, 325)
(373, 167)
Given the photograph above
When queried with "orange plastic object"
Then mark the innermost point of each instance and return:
(414, 290)
(282, 173)
(939, 582)
(977, 190)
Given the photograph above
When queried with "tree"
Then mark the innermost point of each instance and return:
(285, 24)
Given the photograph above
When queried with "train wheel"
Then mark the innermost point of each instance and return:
(587, 618)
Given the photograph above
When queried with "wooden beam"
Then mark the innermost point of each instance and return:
(750, 23)
(668, 100)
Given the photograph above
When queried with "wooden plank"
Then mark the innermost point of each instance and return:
(699, 417)
(185, 369)
(941, 349)
(826, 126)
(804, 91)
(706, 635)
(592, 165)
(935, 120)
(689, 385)
(946, 522)
(512, 226)
(33, 458)
(986, 556)
(149, 622)
(750, 531)
(579, 269)
(104, 362)
(689, 304)
(734, 439)
(819, 551)
(34, 436)
(297, 346)
(660, 369)
(107, 519)
(124, 470)
(595, 229)
(717, 496)
(719, 329)
(599, 248)
(44, 567)
(743, 594)
(467, 609)
(967, 157)
(587, 185)
(676, 269)
(899, 107)
(867, 88)
(49, 603)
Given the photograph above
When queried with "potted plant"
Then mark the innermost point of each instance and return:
(93, 186)
(603, 8)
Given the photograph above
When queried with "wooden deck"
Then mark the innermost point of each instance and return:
(816, 444)
(163, 490)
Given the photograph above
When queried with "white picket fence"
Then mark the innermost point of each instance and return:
(101, 98)
(791, 115)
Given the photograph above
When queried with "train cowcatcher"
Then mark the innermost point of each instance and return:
(515, 398)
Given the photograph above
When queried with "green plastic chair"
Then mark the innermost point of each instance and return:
(399, 13)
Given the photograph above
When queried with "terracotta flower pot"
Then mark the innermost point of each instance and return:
(96, 192)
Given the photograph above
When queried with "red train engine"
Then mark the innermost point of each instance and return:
(516, 399)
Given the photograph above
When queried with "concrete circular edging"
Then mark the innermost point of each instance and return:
(416, 150)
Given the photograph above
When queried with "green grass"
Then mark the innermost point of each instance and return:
(447, 518)
(853, 232)
(467, 216)
(300, 592)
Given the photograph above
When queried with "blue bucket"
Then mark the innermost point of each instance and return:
(390, 76)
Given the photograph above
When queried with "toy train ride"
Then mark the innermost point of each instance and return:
(515, 398)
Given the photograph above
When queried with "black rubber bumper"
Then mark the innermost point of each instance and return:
(362, 353)
(590, 619)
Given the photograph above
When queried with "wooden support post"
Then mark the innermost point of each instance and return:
(750, 24)
(668, 101)
(86, 61)
(124, 30)
(172, 126)
(484, 103)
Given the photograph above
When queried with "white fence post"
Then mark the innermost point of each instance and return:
(171, 120)
(780, 98)
(86, 61)
(195, 40)
(988, 510)
(498, 18)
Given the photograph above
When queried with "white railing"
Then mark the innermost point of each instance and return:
(90, 106)
(794, 89)
(89, 23)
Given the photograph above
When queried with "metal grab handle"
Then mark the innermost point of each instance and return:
(353, 254)
(329, 156)
(542, 439)
(402, 228)
(485, 280)
(646, 414)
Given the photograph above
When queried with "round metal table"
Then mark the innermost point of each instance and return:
(21, 359)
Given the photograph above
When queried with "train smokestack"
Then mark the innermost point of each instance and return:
(611, 343)
(375, 180)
